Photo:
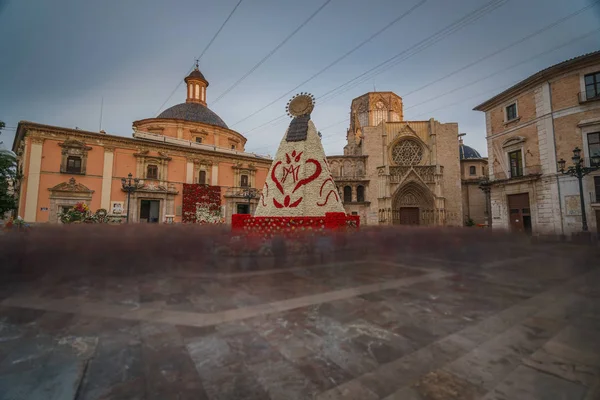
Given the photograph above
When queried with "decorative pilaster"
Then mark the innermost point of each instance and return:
(33, 179)
(215, 175)
(189, 171)
(107, 171)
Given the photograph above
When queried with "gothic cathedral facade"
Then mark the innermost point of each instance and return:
(398, 172)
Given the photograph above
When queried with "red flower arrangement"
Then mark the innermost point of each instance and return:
(194, 194)
(291, 226)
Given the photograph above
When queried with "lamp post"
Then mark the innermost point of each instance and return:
(249, 195)
(579, 171)
(129, 188)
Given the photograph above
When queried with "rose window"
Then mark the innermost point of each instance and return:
(407, 152)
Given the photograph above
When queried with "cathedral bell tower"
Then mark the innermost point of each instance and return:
(196, 87)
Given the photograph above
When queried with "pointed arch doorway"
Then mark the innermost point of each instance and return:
(413, 205)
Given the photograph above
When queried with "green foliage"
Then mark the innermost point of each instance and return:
(8, 178)
(470, 222)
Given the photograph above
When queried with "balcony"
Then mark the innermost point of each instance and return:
(242, 192)
(352, 177)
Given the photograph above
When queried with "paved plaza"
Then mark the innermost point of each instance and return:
(520, 324)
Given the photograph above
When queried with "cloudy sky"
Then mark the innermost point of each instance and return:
(60, 59)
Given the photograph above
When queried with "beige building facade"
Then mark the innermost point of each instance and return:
(395, 171)
(531, 126)
(473, 172)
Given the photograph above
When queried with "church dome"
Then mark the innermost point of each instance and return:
(467, 152)
(193, 112)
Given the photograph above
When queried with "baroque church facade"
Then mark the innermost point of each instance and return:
(399, 172)
(187, 144)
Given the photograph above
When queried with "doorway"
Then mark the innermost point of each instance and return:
(409, 215)
(243, 208)
(519, 213)
(150, 211)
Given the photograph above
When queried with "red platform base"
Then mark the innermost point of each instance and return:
(269, 226)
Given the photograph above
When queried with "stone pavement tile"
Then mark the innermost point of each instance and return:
(384, 380)
(392, 376)
(560, 366)
(418, 335)
(322, 372)
(406, 393)
(210, 352)
(52, 322)
(482, 368)
(250, 348)
(232, 382)
(347, 356)
(282, 381)
(116, 370)
(582, 340)
(168, 369)
(490, 362)
(496, 324)
(195, 332)
(440, 385)
(18, 315)
(525, 383)
(45, 368)
(352, 390)
(573, 354)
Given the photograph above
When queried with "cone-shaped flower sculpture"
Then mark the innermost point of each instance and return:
(299, 182)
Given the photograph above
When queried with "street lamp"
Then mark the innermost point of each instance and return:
(579, 171)
(249, 194)
(129, 188)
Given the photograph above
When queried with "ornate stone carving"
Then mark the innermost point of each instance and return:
(407, 152)
(37, 140)
(409, 199)
(74, 148)
(426, 173)
(71, 186)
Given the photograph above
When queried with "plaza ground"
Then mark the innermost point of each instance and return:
(504, 320)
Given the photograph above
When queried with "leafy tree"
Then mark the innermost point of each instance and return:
(8, 176)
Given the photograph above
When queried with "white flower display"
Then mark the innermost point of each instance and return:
(204, 215)
(299, 182)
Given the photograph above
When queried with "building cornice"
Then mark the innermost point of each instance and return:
(40, 131)
(194, 126)
(511, 181)
(538, 78)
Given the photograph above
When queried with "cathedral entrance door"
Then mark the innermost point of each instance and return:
(409, 216)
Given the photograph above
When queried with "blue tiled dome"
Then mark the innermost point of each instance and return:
(467, 152)
(194, 112)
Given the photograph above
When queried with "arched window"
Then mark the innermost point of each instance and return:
(244, 180)
(360, 194)
(472, 170)
(74, 165)
(151, 171)
(202, 177)
(347, 194)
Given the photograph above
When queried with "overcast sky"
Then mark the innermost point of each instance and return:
(59, 58)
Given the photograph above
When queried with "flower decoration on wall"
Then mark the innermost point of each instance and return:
(201, 204)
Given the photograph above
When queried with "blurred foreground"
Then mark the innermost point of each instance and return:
(188, 312)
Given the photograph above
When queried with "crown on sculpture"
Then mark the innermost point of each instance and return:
(301, 104)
